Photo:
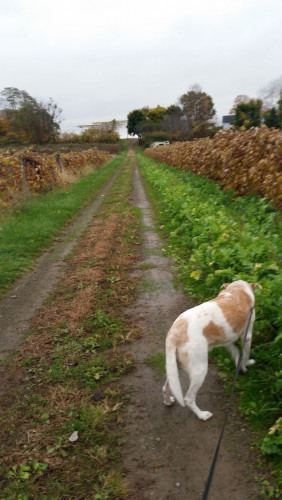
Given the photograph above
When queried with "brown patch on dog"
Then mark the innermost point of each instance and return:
(178, 334)
(236, 308)
(214, 333)
(235, 317)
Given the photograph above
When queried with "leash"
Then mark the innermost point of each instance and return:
(212, 469)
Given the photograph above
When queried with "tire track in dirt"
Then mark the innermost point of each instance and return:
(168, 451)
(29, 293)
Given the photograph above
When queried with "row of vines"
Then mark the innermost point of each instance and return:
(246, 161)
(30, 172)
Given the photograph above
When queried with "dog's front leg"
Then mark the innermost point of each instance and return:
(246, 354)
(247, 346)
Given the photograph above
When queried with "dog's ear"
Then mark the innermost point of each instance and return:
(254, 285)
(225, 285)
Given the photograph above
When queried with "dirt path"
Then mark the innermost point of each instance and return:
(29, 293)
(168, 451)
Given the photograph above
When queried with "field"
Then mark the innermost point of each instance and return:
(82, 415)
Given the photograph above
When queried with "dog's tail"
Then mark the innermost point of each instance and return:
(172, 372)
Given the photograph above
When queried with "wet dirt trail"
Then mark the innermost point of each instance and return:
(168, 451)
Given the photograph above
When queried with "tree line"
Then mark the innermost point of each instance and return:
(25, 120)
(193, 116)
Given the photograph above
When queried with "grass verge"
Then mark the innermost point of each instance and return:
(32, 226)
(61, 419)
(216, 238)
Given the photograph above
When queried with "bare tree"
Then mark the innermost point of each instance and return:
(271, 94)
(241, 98)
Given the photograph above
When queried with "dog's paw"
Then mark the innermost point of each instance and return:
(205, 415)
(250, 362)
(244, 368)
(169, 401)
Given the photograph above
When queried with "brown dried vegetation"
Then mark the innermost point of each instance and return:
(248, 161)
(36, 172)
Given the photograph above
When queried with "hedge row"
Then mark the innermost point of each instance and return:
(246, 161)
(32, 172)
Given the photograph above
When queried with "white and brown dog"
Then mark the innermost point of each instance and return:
(218, 322)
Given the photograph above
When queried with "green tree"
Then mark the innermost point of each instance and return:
(148, 124)
(271, 118)
(157, 114)
(135, 119)
(248, 114)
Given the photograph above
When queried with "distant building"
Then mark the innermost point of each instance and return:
(227, 121)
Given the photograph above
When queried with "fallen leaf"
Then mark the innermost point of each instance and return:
(73, 437)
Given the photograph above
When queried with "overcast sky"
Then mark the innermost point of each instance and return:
(100, 59)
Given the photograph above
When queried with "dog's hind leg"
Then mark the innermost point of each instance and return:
(169, 400)
(197, 371)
